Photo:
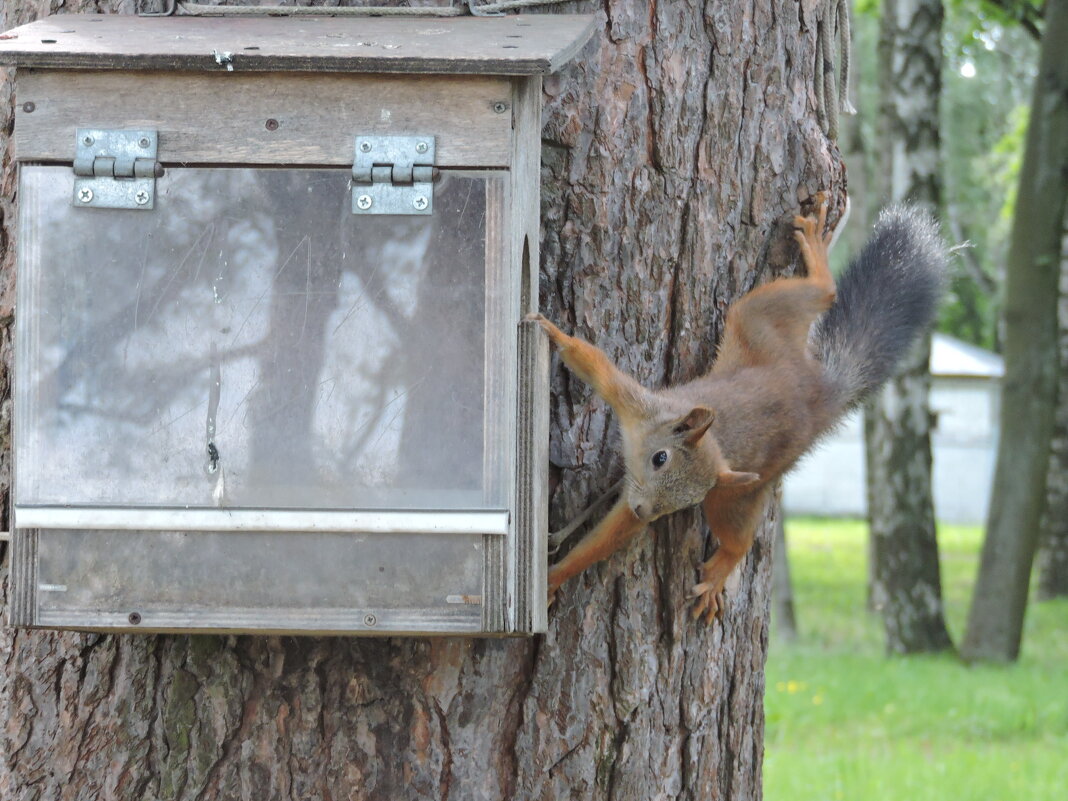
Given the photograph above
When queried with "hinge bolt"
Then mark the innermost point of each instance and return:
(85, 195)
(141, 197)
(365, 147)
(420, 202)
(87, 141)
(144, 141)
(363, 202)
(421, 147)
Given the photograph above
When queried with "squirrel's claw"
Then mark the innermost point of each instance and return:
(556, 336)
(811, 235)
(709, 602)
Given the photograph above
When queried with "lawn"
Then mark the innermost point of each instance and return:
(846, 722)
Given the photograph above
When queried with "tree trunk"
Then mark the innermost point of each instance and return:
(995, 620)
(906, 585)
(784, 615)
(675, 149)
(1053, 554)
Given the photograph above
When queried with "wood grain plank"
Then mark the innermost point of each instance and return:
(532, 411)
(278, 118)
(485, 45)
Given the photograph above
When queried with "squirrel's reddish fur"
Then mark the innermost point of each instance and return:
(723, 439)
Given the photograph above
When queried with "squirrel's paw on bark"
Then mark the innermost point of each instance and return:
(550, 597)
(554, 585)
(811, 232)
(708, 601)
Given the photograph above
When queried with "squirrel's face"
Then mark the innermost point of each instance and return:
(673, 465)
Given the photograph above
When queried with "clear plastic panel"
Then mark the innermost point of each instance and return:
(252, 343)
(256, 580)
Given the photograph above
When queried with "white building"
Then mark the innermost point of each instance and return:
(964, 398)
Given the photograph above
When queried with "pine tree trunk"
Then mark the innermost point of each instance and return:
(1053, 555)
(1028, 395)
(675, 149)
(906, 585)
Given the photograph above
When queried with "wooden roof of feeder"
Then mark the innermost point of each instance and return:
(516, 45)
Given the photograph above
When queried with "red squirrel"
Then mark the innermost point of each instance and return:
(778, 384)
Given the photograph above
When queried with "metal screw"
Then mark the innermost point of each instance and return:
(87, 141)
(364, 202)
(370, 620)
(271, 124)
(85, 195)
(420, 202)
(421, 147)
(134, 618)
(500, 108)
(29, 108)
(144, 141)
(365, 147)
(141, 197)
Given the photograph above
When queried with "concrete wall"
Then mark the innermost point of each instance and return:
(831, 480)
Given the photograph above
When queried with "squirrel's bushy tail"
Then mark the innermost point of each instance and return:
(886, 298)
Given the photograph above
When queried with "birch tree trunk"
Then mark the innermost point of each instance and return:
(1053, 555)
(1028, 395)
(906, 583)
(676, 148)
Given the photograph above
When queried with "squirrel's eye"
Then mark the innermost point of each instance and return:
(659, 459)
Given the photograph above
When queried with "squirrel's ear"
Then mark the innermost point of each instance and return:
(728, 478)
(695, 424)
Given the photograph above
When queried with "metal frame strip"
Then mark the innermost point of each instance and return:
(371, 522)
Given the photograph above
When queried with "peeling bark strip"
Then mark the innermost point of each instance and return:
(674, 149)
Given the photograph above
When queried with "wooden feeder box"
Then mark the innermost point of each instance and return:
(271, 372)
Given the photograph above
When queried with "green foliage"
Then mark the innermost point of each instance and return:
(989, 70)
(982, 127)
(846, 722)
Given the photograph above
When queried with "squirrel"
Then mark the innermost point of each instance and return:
(796, 355)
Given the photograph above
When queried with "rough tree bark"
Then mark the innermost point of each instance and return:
(907, 587)
(675, 148)
(1053, 554)
(1028, 394)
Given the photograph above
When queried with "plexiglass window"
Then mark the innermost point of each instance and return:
(251, 343)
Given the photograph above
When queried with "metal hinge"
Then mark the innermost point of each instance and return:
(116, 169)
(393, 175)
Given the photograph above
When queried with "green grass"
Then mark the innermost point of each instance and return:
(846, 722)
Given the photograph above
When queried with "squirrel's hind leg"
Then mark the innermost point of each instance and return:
(815, 241)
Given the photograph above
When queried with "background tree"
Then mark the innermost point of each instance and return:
(1053, 553)
(675, 148)
(784, 614)
(906, 579)
(995, 620)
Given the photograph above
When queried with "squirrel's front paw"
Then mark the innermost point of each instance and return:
(708, 601)
(554, 581)
(558, 337)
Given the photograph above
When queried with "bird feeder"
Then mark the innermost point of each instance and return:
(271, 372)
